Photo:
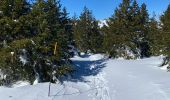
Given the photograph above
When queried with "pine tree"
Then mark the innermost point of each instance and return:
(86, 32)
(127, 30)
(14, 28)
(165, 26)
(34, 35)
(119, 36)
(144, 43)
(140, 27)
(51, 34)
(68, 31)
(155, 37)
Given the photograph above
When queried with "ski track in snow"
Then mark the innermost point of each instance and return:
(102, 91)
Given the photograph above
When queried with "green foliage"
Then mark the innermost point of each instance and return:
(86, 32)
(155, 37)
(29, 38)
(164, 39)
(165, 24)
(128, 29)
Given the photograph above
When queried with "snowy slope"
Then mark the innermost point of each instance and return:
(98, 78)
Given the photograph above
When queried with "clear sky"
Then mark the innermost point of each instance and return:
(103, 9)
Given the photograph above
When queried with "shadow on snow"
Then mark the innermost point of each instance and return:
(86, 68)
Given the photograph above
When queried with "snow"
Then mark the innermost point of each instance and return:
(20, 84)
(165, 67)
(35, 82)
(15, 20)
(100, 78)
(102, 23)
(23, 59)
(96, 57)
(12, 53)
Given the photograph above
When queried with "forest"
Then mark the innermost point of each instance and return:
(38, 37)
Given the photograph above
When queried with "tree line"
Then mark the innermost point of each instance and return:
(37, 38)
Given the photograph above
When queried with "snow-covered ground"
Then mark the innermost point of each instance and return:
(98, 78)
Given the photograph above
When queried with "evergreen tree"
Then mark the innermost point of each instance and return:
(86, 32)
(34, 35)
(52, 40)
(12, 13)
(68, 31)
(155, 37)
(127, 30)
(14, 28)
(144, 43)
(118, 38)
(165, 33)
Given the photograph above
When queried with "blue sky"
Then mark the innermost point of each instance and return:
(104, 8)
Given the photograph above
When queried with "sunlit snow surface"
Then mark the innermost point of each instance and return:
(99, 78)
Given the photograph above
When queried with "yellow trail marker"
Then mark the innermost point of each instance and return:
(55, 48)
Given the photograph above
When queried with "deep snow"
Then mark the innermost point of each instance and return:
(98, 78)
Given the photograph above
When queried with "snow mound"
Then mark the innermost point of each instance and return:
(20, 84)
(164, 67)
(96, 57)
